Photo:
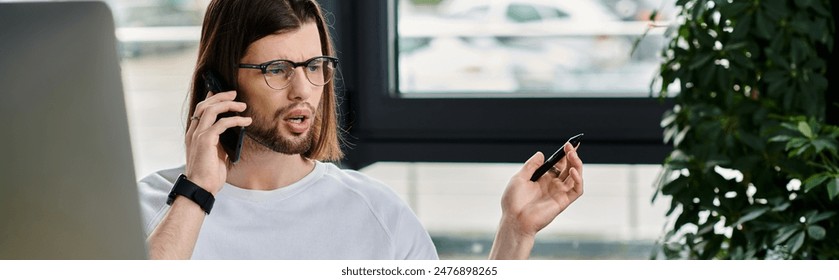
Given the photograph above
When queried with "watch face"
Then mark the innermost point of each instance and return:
(173, 194)
(192, 191)
(171, 198)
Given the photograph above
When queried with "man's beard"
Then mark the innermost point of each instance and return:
(265, 132)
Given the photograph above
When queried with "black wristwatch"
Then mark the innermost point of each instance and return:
(192, 191)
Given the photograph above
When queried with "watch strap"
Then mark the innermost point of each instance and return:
(186, 188)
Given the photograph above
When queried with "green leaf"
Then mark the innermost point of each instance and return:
(780, 138)
(669, 118)
(833, 131)
(679, 155)
(789, 126)
(754, 214)
(833, 188)
(816, 232)
(781, 207)
(735, 46)
(821, 144)
(798, 152)
(681, 136)
(675, 186)
(701, 60)
(784, 233)
(828, 143)
(796, 242)
(814, 181)
(810, 214)
(805, 129)
(740, 62)
(668, 133)
(796, 143)
(706, 228)
(821, 216)
(697, 10)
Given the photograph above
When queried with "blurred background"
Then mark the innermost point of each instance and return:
(567, 48)
(444, 48)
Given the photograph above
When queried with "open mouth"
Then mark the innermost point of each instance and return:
(297, 119)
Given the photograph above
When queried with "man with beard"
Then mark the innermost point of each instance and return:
(282, 200)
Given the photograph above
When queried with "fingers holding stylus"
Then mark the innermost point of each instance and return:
(571, 160)
(573, 184)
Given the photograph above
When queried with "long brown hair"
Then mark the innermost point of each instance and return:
(230, 26)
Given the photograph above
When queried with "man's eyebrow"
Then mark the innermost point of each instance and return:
(295, 60)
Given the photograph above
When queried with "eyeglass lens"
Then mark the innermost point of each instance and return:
(318, 72)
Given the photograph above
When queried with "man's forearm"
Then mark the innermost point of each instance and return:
(510, 244)
(175, 236)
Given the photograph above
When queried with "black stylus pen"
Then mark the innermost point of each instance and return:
(558, 155)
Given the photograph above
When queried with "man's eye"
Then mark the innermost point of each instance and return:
(313, 68)
(277, 69)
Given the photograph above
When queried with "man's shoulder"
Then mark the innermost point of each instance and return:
(362, 184)
(353, 178)
(409, 238)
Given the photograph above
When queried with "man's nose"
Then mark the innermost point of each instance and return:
(301, 89)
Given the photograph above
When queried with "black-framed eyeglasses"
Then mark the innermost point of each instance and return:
(279, 73)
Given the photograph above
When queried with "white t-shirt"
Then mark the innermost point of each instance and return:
(329, 214)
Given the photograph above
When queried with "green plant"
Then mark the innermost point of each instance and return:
(754, 173)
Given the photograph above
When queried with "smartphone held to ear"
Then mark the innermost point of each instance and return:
(231, 139)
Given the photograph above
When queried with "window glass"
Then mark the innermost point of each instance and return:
(590, 48)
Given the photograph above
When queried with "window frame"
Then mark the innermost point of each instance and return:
(382, 126)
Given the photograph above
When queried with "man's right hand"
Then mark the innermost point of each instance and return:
(206, 161)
